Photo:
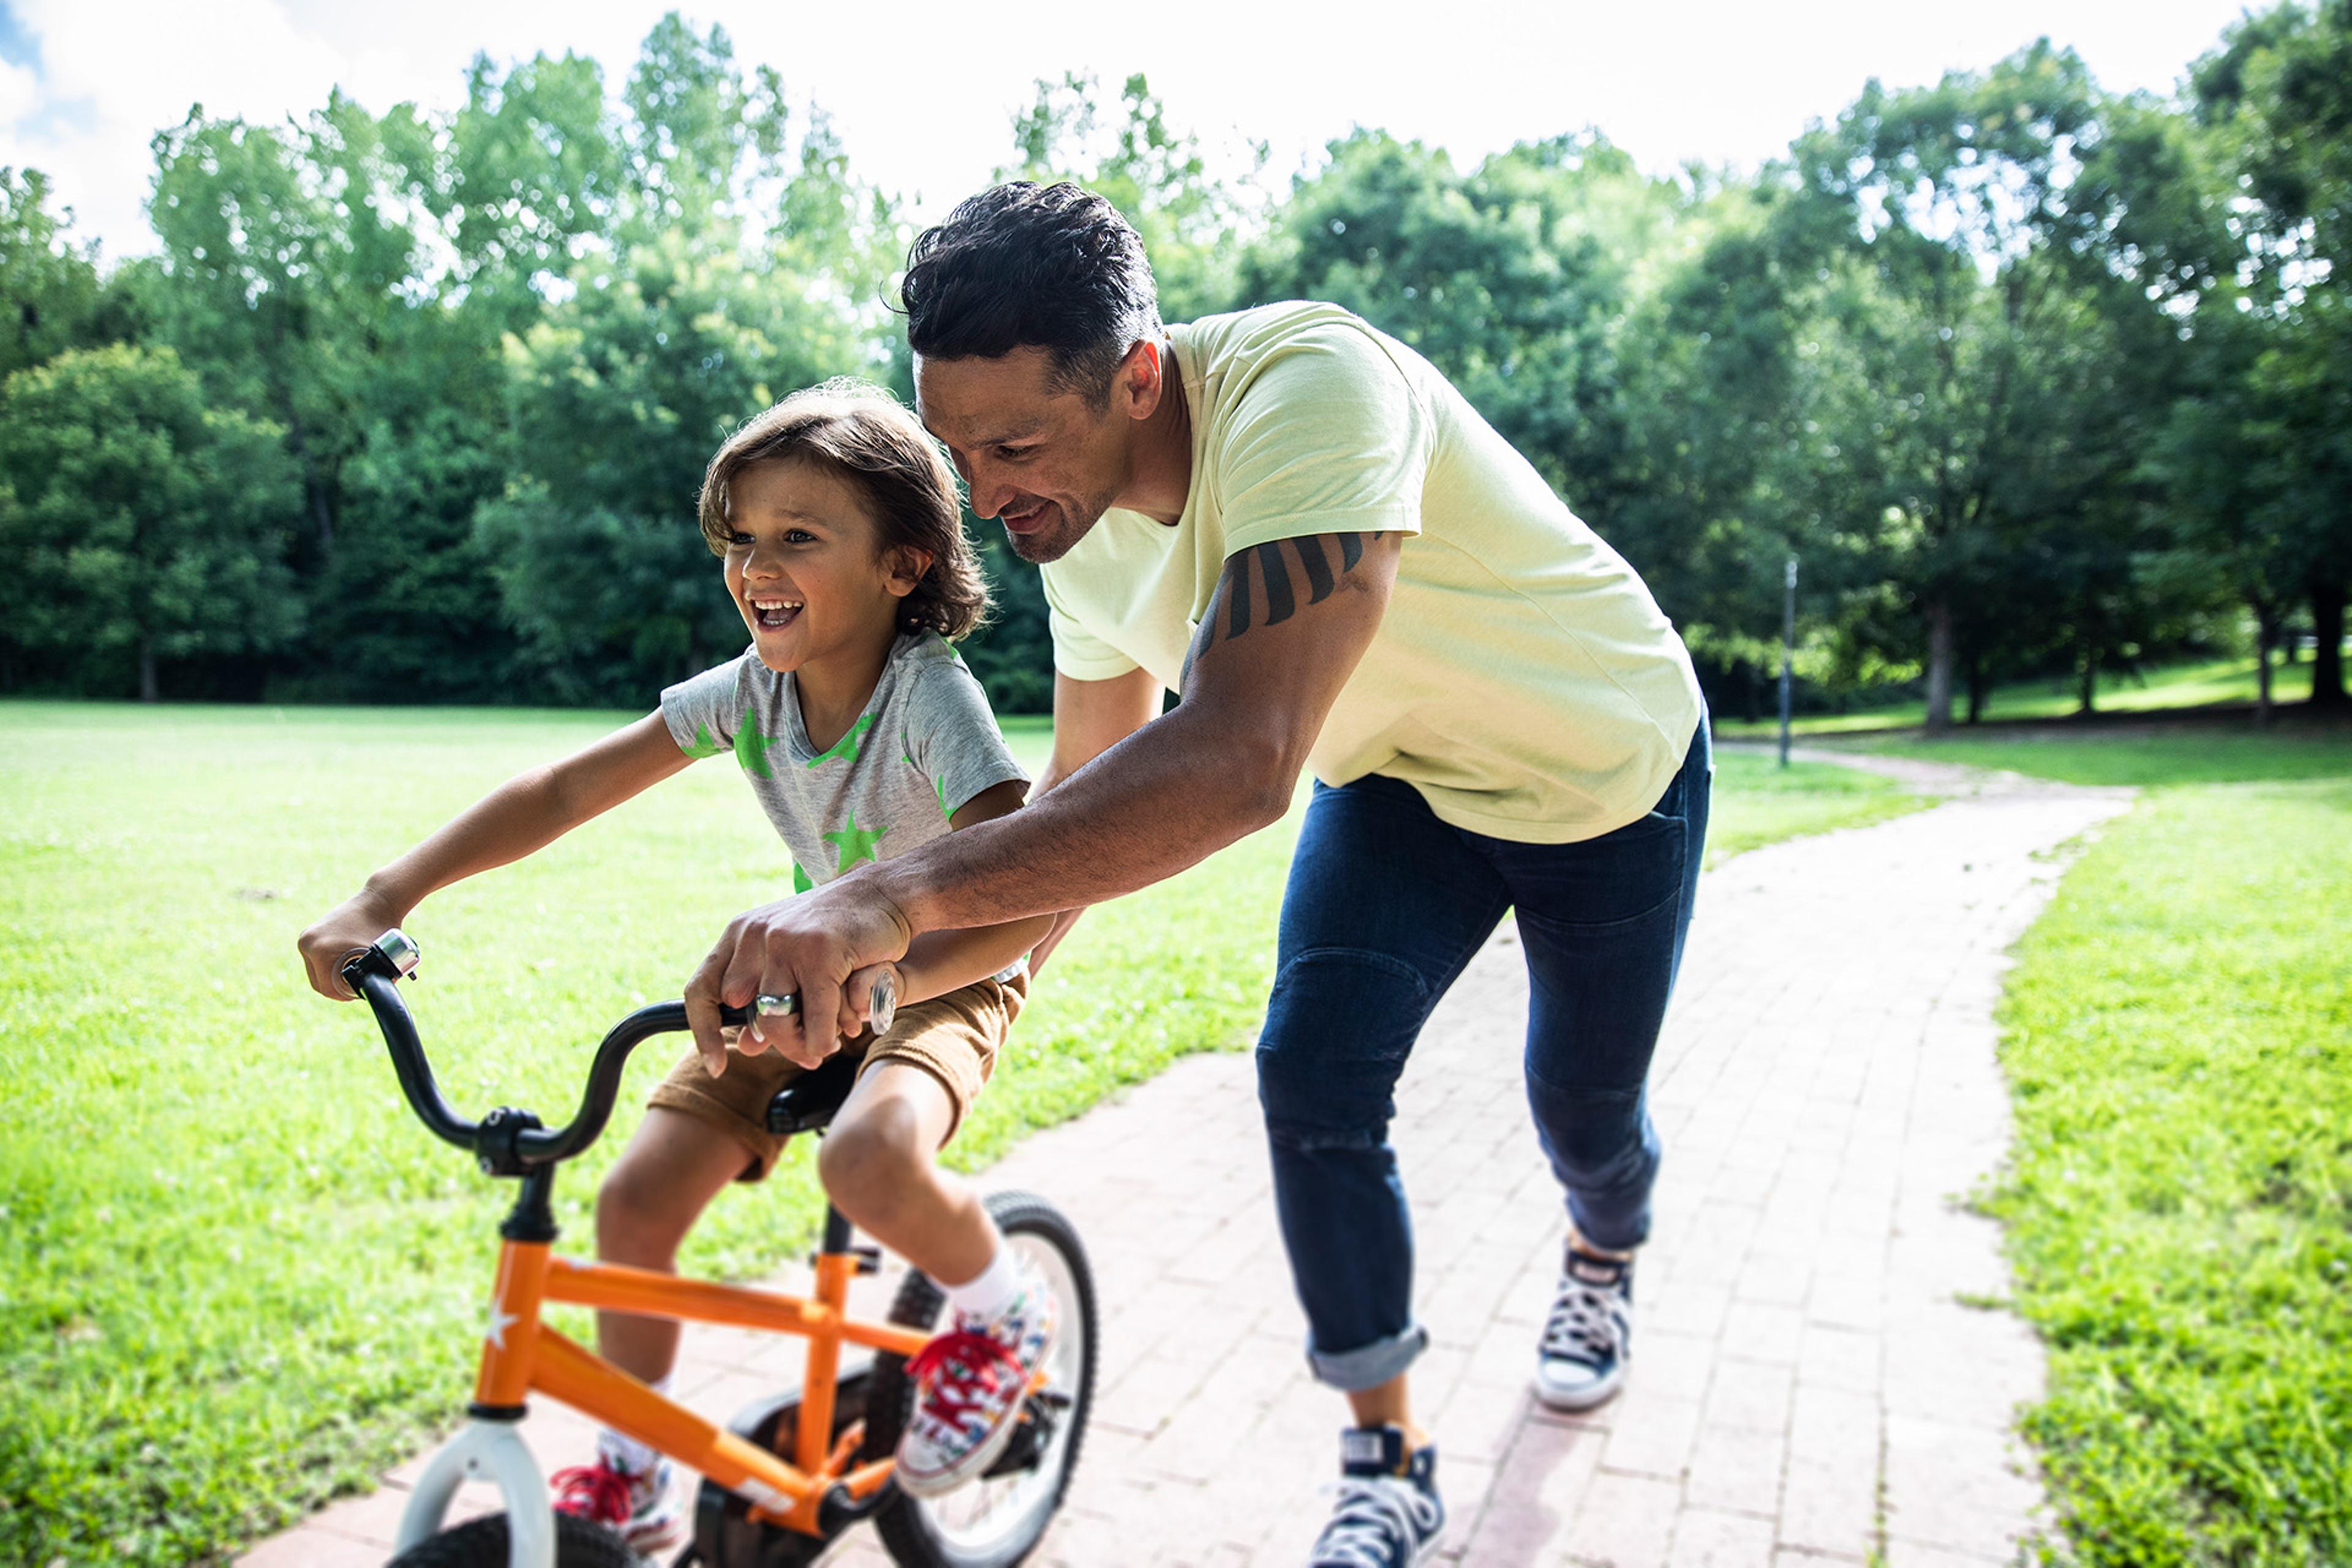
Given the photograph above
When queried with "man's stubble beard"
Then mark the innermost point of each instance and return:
(1047, 545)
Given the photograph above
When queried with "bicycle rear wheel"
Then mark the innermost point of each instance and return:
(996, 1520)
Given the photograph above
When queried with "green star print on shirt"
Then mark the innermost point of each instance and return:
(844, 749)
(939, 787)
(751, 748)
(855, 844)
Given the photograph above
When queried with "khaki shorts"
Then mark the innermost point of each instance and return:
(954, 1038)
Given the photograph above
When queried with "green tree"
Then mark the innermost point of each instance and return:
(732, 278)
(51, 296)
(2276, 101)
(140, 525)
(2000, 375)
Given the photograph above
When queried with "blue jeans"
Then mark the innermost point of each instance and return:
(1385, 905)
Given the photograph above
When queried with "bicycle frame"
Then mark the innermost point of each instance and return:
(816, 1492)
(520, 1355)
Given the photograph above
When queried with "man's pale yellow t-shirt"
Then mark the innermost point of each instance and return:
(1522, 679)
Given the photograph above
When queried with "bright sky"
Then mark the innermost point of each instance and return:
(922, 93)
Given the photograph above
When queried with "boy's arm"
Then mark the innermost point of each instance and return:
(1090, 716)
(527, 813)
(938, 961)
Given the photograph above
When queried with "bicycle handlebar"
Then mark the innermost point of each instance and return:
(506, 1141)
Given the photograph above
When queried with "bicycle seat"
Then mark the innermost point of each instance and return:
(808, 1102)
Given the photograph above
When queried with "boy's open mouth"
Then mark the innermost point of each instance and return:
(773, 615)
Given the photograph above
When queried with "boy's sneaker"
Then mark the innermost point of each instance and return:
(1588, 1337)
(635, 1503)
(1389, 1515)
(969, 1385)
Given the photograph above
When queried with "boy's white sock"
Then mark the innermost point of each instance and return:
(992, 1291)
(625, 1454)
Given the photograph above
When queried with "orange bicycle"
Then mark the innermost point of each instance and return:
(792, 1472)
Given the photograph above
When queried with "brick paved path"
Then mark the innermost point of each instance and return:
(1822, 1366)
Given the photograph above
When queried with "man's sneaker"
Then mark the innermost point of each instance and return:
(636, 1504)
(1388, 1515)
(1589, 1336)
(969, 1385)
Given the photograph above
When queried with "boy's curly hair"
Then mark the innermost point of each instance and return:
(863, 434)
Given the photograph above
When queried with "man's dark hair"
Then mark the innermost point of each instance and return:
(1024, 265)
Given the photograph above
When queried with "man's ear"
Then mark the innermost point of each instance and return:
(907, 564)
(1143, 378)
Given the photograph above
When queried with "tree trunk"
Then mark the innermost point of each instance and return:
(1976, 684)
(1939, 666)
(2089, 693)
(148, 690)
(2265, 638)
(2328, 651)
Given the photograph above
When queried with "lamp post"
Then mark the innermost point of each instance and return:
(1788, 652)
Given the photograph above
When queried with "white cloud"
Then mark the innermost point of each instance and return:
(20, 93)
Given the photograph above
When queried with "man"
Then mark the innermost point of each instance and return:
(1299, 525)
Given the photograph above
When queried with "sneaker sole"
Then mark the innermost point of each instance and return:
(981, 1458)
(655, 1535)
(1600, 1393)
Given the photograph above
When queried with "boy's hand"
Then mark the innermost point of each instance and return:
(345, 929)
(809, 944)
(857, 997)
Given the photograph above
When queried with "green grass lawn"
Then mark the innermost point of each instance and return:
(2193, 684)
(236, 1277)
(2177, 1033)
(2198, 752)
(1757, 802)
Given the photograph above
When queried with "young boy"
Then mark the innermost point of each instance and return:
(863, 736)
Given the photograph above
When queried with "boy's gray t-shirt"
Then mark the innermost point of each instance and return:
(925, 745)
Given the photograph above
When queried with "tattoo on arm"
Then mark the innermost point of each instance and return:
(1257, 586)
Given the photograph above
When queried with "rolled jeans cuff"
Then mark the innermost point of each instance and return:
(1367, 1366)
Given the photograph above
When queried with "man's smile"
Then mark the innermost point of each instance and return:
(1029, 516)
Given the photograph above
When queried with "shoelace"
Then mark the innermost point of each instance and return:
(602, 1494)
(965, 1365)
(1583, 1324)
(1376, 1515)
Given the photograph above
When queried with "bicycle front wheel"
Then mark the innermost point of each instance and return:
(997, 1519)
(484, 1543)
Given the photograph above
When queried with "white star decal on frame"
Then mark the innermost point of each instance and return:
(501, 1320)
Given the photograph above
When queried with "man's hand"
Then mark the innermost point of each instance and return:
(809, 945)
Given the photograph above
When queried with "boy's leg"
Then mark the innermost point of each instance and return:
(663, 1181)
(879, 1164)
(673, 1165)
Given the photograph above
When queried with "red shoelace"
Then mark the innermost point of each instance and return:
(966, 1365)
(594, 1492)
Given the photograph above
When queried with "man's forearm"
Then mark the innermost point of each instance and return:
(1166, 797)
